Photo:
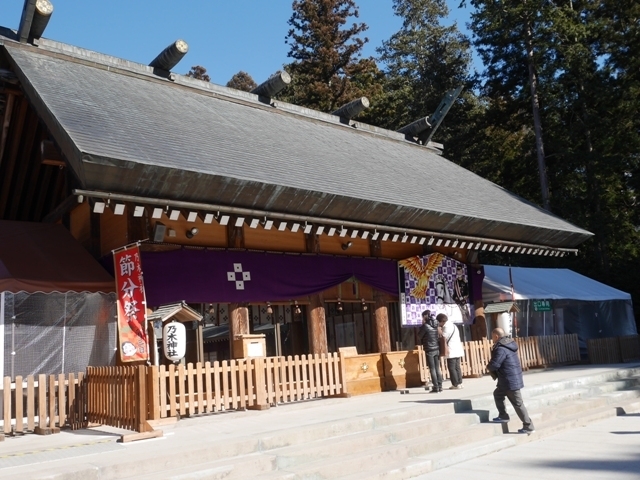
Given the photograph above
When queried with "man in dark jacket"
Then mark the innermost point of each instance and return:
(505, 366)
(428, 335)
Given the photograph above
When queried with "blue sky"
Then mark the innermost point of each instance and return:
(224, 36)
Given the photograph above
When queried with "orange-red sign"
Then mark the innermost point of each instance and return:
(132, 305)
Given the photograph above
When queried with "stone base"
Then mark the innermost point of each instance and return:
(46, 430)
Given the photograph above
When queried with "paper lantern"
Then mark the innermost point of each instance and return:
(174, 340)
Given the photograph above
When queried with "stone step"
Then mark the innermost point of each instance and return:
(365, 441)
(283, 458)
(343, 464)
(538, 398)
(397, 440)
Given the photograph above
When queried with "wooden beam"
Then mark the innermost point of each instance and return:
(8, 76)
(25, 159)
(6, 122)
(31, 191)
(10, 164)
(137, 227)
(95, 246)
(312, 243)
(43, 193)
(375, 248)
(65, 207)
(235, 235)
(60, 193)
(50, 155)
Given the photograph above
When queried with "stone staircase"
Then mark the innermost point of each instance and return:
(416, 434)
(413, 441)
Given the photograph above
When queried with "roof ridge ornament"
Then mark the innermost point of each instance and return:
(170, 56)
(34, 20)
(273, 85)
(352, 109)
(423, 129)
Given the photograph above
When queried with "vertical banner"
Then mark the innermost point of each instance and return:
(132, 305)
(436, 283)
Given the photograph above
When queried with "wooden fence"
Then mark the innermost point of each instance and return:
(130, 397)
(245, 383)
(117, 396)
(614, 349)
(532, 351)
(43, 403)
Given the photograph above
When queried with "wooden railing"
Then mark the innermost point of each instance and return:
(532, 351)
(116, 396)
(245, 383)
(614, 349)
(43, 403)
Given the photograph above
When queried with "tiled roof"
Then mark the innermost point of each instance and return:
(126, 130)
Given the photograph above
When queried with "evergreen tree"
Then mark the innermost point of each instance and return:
(327, 70)
(422, 62)
(199, 73)
(242, 81)
(586, 67)
(512, 38)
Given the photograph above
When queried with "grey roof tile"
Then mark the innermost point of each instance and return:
(198, 134)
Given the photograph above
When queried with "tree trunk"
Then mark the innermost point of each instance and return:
(537, 124)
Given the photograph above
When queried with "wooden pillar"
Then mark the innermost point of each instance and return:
(238, 324)
(375, 248)
(317, 322)
(317, 325)
(235, 235)
(479, 326)
(381, 332)
(200, 340)
(95, 247)
(381, 325)
(238, 312)
(137, 227)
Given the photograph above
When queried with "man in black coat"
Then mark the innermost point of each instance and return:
(428, 336)
(505, 366)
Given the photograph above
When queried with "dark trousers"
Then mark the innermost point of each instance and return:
(433, 360)
(515, 397)
(455, 372)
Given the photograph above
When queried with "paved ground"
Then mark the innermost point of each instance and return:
(609, 449)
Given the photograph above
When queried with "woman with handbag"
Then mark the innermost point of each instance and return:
(452, 349)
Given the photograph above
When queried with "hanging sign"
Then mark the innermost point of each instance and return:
(436, 283)
(174, 339)
(132, 305)
(541, 305)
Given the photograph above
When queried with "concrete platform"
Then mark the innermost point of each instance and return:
(386, 435)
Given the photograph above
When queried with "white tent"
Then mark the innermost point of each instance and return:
(558, 301)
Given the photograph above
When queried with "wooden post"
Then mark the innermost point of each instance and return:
(479, 327)
(235, 235)
(238, 324)
(200, 341)
(317, 326)
(259, 371)
(382, 336)
(141, 387)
